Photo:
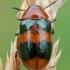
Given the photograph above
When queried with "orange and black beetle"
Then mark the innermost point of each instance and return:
(34, 42)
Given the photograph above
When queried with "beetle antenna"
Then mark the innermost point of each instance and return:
(50, 4)
(18, 9)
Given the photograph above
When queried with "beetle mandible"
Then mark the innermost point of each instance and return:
(34, 43)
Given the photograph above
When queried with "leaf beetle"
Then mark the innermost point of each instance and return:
(34, 43)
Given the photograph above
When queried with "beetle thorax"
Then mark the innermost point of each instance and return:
(34, 12)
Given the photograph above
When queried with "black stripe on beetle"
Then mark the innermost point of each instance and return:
(29, 50)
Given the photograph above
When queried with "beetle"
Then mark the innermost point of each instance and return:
(34, 43)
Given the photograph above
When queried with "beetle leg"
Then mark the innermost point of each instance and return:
(16, 54)
(53, 20)
(52, 31)
(16, 34)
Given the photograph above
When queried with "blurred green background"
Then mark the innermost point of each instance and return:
(9, 26)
